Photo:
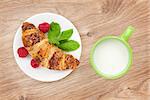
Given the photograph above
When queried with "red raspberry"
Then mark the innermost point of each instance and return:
(34, 63)
(44, 27)
(22, 52)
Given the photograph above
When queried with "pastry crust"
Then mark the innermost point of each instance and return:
(31, 35)
(48, 54)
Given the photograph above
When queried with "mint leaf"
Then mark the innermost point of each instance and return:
(55, 27)
(53, 33)
(65, 35)
(69, 45)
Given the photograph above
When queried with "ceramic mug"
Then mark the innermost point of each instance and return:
(124, 40)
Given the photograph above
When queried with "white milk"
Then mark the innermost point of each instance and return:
(111, 57)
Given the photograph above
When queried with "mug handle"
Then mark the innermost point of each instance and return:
(127, 33)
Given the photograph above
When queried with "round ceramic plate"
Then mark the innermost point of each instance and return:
(44, 74)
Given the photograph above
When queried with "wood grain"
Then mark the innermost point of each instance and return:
(93, 19)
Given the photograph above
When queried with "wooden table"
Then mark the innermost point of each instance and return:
(93, 19)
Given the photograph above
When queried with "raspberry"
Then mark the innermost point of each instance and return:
(22, 52)
(44, 27)
(34, 63)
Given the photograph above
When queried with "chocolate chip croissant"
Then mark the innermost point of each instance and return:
(49, 55)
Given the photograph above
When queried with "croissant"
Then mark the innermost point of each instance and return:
(49, 55)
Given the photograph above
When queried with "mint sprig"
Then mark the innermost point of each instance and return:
(61, 39)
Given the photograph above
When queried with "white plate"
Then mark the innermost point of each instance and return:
(43, 74)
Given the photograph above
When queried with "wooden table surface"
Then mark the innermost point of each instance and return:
(93, 19)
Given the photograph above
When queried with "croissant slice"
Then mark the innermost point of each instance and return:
(31, 35)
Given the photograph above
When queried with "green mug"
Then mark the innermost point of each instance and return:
(104, 53)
